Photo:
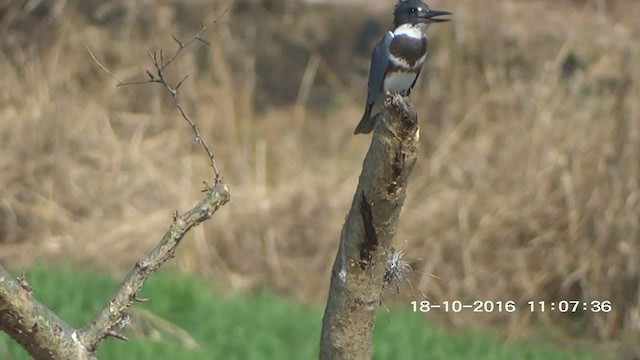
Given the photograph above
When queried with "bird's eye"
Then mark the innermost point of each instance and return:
(413, 10)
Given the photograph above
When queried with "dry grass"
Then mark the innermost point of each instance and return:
(528, 186)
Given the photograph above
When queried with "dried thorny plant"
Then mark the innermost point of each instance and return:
(397, 272)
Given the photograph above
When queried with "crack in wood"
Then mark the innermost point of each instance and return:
(370, 242)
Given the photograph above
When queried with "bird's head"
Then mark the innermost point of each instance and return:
(416, 12)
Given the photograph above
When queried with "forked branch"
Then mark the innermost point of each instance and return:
(40, 331)
(115, 316)
(158, 76)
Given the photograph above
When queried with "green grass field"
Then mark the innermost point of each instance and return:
(259, 326)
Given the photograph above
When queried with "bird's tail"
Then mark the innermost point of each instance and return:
(366, 123)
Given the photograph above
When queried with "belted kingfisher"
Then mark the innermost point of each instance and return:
(398, 57)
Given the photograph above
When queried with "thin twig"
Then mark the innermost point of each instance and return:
(117, 335)
(160, 65)
(103, 67)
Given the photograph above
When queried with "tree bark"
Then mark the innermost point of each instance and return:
(360, 265)
(47, 337)
(40, 332)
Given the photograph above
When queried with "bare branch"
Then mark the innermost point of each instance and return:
(160, 65)
(41, 332)
(109, 319)
(105, 323)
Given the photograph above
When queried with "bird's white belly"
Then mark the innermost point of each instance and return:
(398, 82)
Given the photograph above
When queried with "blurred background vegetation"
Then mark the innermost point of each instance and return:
(527, 188)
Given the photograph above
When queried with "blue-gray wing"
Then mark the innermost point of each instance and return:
(378, 67)
(377, 71)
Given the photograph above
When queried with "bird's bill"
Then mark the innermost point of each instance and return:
(431, 16)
